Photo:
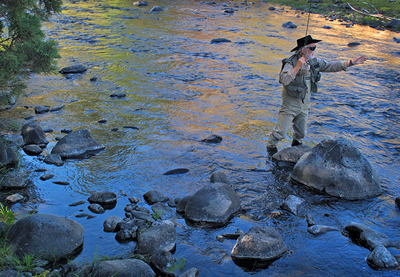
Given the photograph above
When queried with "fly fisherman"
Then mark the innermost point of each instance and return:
(299, 76)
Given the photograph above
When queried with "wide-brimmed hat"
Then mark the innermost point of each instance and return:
(304, 41)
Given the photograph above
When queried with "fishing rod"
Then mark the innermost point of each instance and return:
(308, 20)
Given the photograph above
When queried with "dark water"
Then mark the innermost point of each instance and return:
(180, 89)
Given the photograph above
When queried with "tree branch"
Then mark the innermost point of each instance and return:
(370, 14)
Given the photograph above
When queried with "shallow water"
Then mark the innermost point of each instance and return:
(180, 89)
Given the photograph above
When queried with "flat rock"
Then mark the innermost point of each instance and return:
(73, 69)
(153, 196)
(103, 197)
(320, 229)
(32, 149)
(53, 159)
(12, 181)
(123, 268)
(367, 236)
(291, 154)
(159, 237)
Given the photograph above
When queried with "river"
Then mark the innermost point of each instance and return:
(180, 89)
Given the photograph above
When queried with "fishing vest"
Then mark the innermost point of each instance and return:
(297, 88)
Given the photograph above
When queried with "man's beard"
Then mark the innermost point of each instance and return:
(309, 56)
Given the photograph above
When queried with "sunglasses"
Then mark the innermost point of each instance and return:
(312, 48)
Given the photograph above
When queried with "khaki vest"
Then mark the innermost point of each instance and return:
(297, 88)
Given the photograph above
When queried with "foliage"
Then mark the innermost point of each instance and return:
(176, 264)
(44, 274)
(6, 215)
(5, 252)
(23, 46)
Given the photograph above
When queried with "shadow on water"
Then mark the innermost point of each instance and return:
(180, 89)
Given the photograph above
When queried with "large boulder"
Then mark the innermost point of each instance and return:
(123, 268)
(8, 157)
(258, 246)
(32, 133)
(367, 236)
(46, 236)
(78, 144)
(339, 169)
(215, 203)
(159, 237)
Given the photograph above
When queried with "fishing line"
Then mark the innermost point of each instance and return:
(308, 20)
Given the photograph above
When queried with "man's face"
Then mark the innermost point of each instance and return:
(309, 50)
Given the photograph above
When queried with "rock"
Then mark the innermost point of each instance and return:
(46, 236)
(77, 144)
(81, 202)
(396, 39)
(212, 139)
(163, 212)
(337, 168)
(353, 44)
(54, 159)
(159, 237)
(58, 108)
(292, 203)
(93, 79)
(192, 272)
(176, 171)
(219, 177)
(156, 9)
(140, 3)
(12, 181)
(215, 203)
(14, 198)
(289, 25)
(127, 230)
(229, 10)
(310, 220)
(63, 183)
(141, 215)
(110, 224)
(66, 130)
(272, 8)
(73, 69)
(171, 203)
(181, 205)
(10, 273)
(32, 149)
(161, 260)
(320, 229)
(220, 40)
(153, 196)
(102, 121)
(291, 154)
(42, 109)
(8, 157)
(381, 257)
(367, 236)
(46, 176)
(258, 245)
(118, 94)
(103, 198)
(96, 208)
(327, 27)
(32, 133)
(123, 268)
(393, 24)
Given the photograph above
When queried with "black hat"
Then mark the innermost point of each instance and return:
(304, 41)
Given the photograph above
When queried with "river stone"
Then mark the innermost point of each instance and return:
(259, 244)
(32, 133)
(212, 139)
(140, 3)
(103, 197)
(96, 208)
(219, 177)
(393, 24)
(153, 196)
(162, 236)
(53, 159)
(382, 258)
(46, 176)
(12, 181)
(77, 144)
(192, 272)
(291, 154)
(8, 157)
(110, 224)
(163, 211)
(367, 235)
(181, 205)
(220, 40)
(127, 230)
(289, 25)
(14, 198)
(320, 229)
(292, 204)
(32, 149)
(161, 260)
(339, 169)
(78, 68)
(46, 236)
(42, 109)
(215, 203)
(123, 268)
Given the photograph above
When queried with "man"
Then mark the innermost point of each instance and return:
(299, 76)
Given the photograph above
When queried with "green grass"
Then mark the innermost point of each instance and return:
(6, 215)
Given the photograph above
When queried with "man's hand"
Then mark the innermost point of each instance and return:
(359, 60)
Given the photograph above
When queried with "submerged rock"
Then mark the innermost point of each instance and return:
(73, 69)
(46, 236)
(215, 203)
(339, 169)
(77, 144)
(320, 229)
(220, 40)
(258, 245)
(103, 198)
(123, 268)
(212, 139)
(289, 25)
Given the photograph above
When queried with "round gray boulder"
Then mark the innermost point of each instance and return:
(77, 144)
(215, 203)
(46, 236)
(123, 268)
(259, 244)
(339, 169)
(159, 237)
(32, 133)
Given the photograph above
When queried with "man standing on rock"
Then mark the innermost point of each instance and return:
(299, 76)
